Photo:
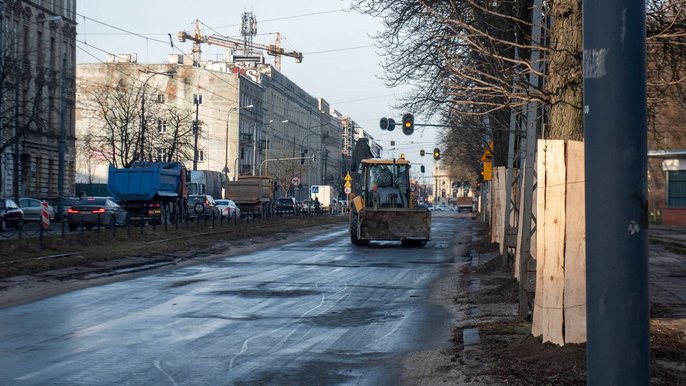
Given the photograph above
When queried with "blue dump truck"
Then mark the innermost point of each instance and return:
(152, 192)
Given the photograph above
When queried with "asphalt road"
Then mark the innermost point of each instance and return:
(315, 312)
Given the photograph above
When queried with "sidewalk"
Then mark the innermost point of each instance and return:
(667, 267)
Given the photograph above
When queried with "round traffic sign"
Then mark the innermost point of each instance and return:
(296, 181)
(347, 190)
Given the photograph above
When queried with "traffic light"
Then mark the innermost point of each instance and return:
(387, 124)
(437, 154)
(422, 153)
(302, 158)
(408, 124)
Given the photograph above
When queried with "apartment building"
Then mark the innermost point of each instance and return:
(37, 42)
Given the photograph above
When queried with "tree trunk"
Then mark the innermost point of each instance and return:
(564, 82)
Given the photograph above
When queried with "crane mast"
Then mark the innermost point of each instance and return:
(248, 30)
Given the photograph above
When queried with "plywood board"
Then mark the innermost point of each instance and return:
(550, 242)
(501, 194)
(575, 246)
(493, 204)
(537, 318)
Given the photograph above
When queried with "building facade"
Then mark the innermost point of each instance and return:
(37, 59)
(251, 121)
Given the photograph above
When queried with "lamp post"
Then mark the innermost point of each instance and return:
(302, 145)
(226, 139)
(63, 135)
(197, 101)
(169, 73)
(269, 132)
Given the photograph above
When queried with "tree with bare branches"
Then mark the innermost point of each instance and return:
(115, 136)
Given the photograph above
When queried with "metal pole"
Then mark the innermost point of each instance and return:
(196, 101)
(529, 143)
(254, 148)
(62, 143)
(226, 141)
(143, 121)
(2, 69)
(618, 347)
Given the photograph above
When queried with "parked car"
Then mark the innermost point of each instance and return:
(306, 206)
(96, 211)
(201, 205)
(228, 208)
(10, 214)
(286, 205)
(32, 209)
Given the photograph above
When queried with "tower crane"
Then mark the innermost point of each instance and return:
(247, 45)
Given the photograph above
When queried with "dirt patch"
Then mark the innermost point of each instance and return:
(668, 351)
(506, 353)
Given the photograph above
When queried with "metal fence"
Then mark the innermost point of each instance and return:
(29, 231)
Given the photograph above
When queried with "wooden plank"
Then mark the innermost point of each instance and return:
(550, 243)
(501, 171)
(492, 204)
(536, 323)
(575, 246)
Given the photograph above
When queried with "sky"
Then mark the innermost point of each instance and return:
(340, 60)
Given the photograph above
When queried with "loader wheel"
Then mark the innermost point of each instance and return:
(354, 237)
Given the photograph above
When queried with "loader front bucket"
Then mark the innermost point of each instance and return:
(395, 224)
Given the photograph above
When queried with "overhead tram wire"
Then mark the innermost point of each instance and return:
(147, 38)
(135, 79)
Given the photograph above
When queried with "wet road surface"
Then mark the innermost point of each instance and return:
(316, 312)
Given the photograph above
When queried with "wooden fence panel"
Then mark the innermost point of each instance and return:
(548, 308)
(575, 247)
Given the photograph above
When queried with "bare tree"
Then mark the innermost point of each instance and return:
(116, 135)
(173, 139)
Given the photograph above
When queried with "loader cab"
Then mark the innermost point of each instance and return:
(386, 183)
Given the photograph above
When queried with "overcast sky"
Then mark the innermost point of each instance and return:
(340, 62)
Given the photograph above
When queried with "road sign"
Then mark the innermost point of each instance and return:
(347, 184)
(347, 176)
(296, 181)
(347, 190)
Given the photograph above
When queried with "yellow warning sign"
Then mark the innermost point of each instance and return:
(347, 184)
(347, 177)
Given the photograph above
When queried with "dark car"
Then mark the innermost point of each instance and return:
(286, 205)
(10, 214)
(96, 211)
(67, 203)
(202, 205)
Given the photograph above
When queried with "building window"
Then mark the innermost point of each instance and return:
(161, 154)
(161, 126)
(201, 155)
(160, 98)
(676, 194)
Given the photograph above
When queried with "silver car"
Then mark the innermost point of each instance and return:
(228, 208)
(32, 209)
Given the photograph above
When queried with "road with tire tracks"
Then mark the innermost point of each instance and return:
(317, 311)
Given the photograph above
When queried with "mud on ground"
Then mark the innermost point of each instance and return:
(507, 354)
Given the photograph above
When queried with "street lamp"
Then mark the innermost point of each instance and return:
(269, 132)
(169, 73)
(226, 138)
(63, 139)
(302, 145)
